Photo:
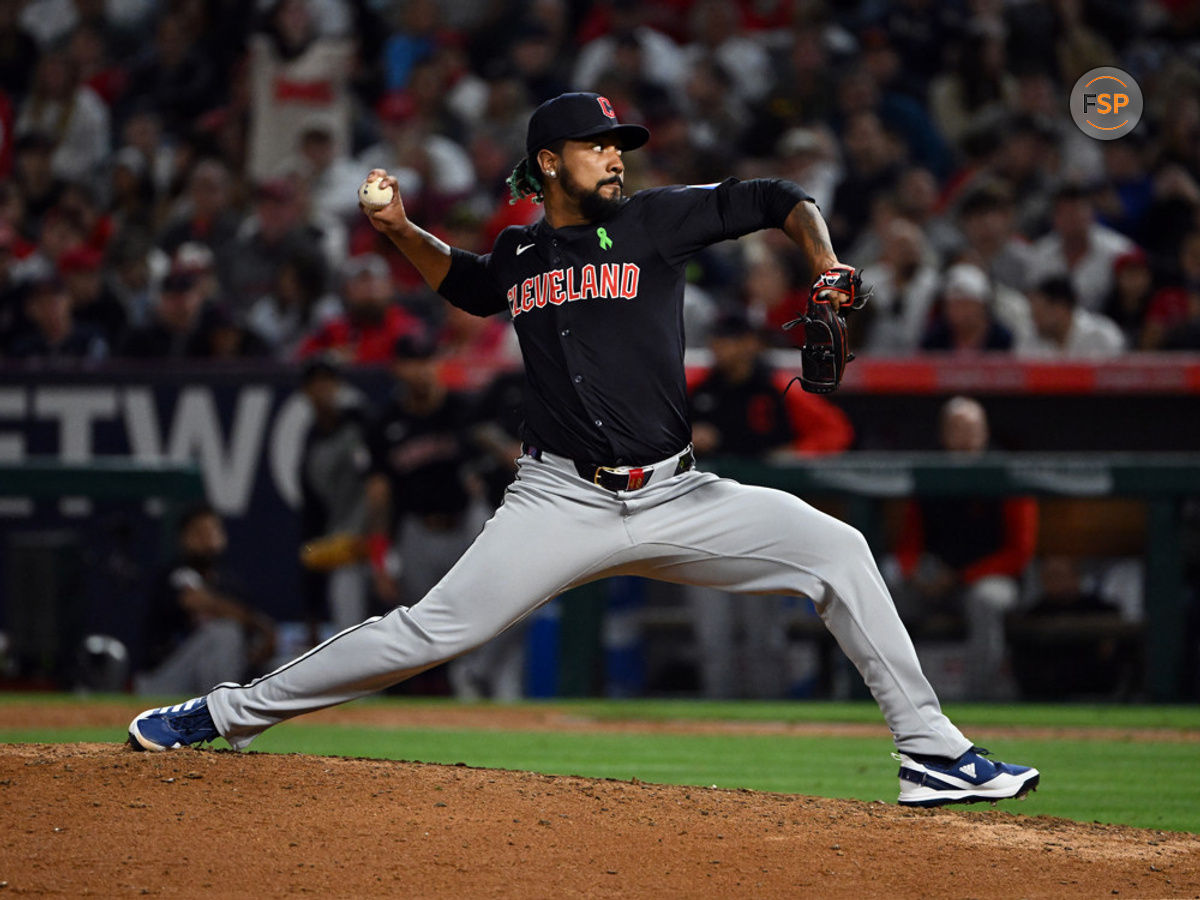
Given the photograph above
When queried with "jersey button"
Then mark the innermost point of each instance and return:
(565, 332)
(578, 379)
(599, 424)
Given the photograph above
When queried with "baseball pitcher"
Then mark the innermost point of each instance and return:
(608, 483)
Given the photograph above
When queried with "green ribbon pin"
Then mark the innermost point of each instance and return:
(605, 240)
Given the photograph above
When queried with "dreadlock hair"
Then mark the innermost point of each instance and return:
(523, 183)
(526, 181)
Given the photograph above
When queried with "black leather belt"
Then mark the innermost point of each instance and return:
(628, 478)
(625, 478)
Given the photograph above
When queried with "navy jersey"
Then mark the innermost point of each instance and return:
(598, 311)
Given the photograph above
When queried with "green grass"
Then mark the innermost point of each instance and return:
(1153, 784)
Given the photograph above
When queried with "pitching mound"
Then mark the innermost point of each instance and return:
(101, 819)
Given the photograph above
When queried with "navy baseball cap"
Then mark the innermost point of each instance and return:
(576, 116)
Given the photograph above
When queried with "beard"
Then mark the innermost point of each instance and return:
(593, 205)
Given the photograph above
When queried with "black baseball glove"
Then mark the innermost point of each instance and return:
(826, 350)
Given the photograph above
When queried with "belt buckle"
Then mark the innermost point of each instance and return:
(635, 477)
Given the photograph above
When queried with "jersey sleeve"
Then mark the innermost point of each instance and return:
(686, 219)
(471, 285)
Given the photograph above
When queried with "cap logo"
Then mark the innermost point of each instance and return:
(606, 107)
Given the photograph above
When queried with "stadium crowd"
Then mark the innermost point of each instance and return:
(177, 178)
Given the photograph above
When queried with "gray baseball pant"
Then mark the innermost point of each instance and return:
(556, 531)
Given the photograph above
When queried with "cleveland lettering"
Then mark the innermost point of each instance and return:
(608, 281)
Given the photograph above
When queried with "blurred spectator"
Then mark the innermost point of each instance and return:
(332, 179)
(275, 232)
(1039, 102)
(1174, 208)
(1174, 306)
(801, 93)
(428, 88)
(226, 336)
(717, 35)
(1078, 47)
(372, 322)
(873, 166)
(295, 75)
(50, 21)
(1079, 246)
(298, 304)
(1123, 201)
(18, 51)
(180, 324)
(979, 85)
(52, 334)
(809, 157)
(135, 267)
(1129, 298)
(70, 114)
(1025, 157)
(987, 220)
(199, 628)
(966, 322)
(60, 233)
(173, 75)
(905, 284)
(772, 292)
(664, 62)
(921, 31)
(77, 202)
(484, 343)
(89, 52)
(963, 557)
(918, 199)
(205, 214)
(333, 470)
(142, 129)
(413, 40)
(1070, 663)
(715, 113)
(93, 303)
(35, 178)
(1186, 335)
(134, 202)
(902, 116)
(1064, 330)
(543, 73)
(432, 170)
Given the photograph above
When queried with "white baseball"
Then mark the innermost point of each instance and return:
(375, 194)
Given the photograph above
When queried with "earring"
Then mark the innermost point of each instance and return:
(551, 173)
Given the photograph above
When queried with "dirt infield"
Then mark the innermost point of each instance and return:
(78, 819)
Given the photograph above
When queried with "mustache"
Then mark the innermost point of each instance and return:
(616, 179)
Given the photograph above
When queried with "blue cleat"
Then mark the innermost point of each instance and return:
(930, 781)
(169, 727)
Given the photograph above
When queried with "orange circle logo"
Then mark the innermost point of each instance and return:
(1106, 103)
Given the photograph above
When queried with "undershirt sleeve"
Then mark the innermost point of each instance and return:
(469, 284)
(684, 220)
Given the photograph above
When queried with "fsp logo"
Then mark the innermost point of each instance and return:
(1106, 103)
